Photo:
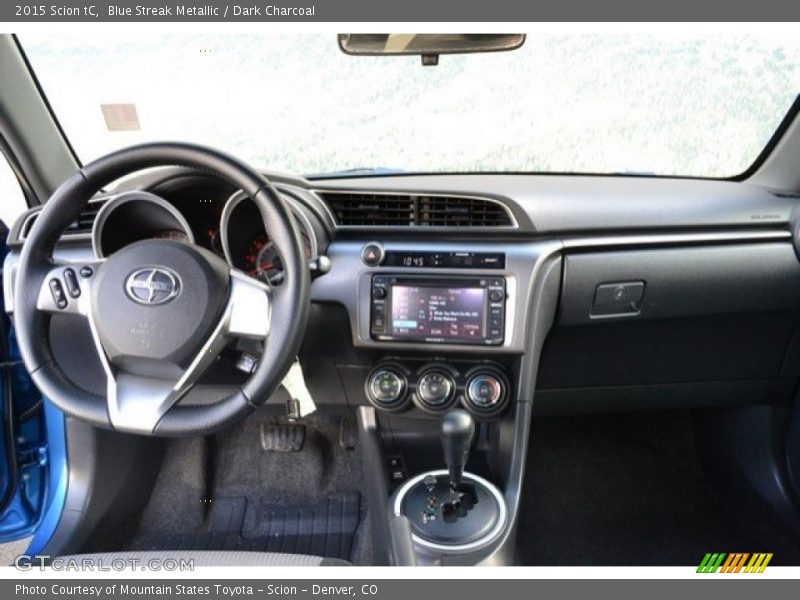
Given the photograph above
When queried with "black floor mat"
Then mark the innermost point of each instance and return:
(228, 493)
(628, 490)
(323, 529)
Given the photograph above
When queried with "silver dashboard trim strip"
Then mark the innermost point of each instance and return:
(65, 236)
(133, 196)
(601, 241)
(349, 283)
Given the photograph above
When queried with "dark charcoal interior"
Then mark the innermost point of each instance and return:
(501, 368)
(631, 489)
(228, 493)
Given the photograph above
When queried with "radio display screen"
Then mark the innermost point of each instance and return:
(450, 313)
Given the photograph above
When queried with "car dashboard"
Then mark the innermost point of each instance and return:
(508, 296)
(574, 275)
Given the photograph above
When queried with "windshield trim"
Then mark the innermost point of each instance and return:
(46, 101)
(769, 148)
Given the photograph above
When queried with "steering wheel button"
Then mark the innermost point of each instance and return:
(86, 271)
(71, 279)
(57, 291)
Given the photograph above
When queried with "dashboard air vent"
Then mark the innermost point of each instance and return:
(450, 211)
(82, 225)
(365, 209)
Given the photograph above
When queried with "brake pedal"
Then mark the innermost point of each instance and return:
(282, 437)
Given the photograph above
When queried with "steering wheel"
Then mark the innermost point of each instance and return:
(159, 311)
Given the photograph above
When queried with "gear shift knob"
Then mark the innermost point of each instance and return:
(458, 429)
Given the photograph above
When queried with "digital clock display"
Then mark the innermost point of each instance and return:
(412, 260)
(444, 260)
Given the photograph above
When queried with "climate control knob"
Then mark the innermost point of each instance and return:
(484, 390)
(485, 393)
(386, 388)
(435, 390)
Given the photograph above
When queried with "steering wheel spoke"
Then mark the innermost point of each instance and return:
(136, 403)
(249, 310)
(67, 289)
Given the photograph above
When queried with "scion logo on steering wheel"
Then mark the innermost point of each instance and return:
(152, 285)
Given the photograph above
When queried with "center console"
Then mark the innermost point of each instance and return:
(450, 510)
(445, 344)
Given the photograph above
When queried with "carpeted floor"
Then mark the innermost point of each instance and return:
(599, 490)
(629, 490)
(227, 493)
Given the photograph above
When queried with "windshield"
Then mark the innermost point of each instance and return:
(693, 105)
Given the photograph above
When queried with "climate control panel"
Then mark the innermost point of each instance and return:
(433, 387)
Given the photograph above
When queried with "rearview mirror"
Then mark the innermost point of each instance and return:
(427, 45)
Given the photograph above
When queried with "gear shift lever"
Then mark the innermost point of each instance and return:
(458, 429)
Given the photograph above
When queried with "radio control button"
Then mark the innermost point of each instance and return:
(379, 292)
(57, 290)
(71, 279)
(496, 295)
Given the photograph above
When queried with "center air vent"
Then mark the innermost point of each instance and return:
(82, 225)
(364, 209)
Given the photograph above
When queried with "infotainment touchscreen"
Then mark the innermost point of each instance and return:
(454, 313)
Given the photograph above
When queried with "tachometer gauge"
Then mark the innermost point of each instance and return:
(262, 260)
(248, 247)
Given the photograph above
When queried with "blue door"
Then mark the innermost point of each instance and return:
(33, 465)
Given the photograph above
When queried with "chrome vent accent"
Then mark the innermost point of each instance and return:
(376, 209)
(82, 225)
